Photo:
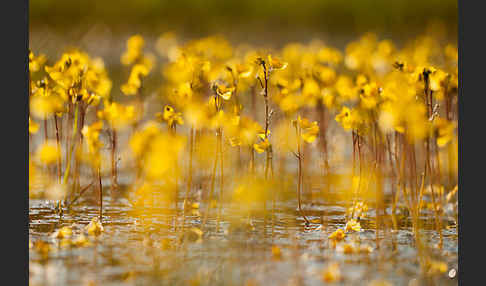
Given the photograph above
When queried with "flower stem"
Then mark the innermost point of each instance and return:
(66, 173)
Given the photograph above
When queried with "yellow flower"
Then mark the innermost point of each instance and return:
(243, 70)
(244, 131)
(134, 82)
(347, 248)
(48, 153)
(346, 89)
(35, 63)
(261, 146)
(157, 151)
(224, 91)
(81, 241)
(45, 106)
(328, 97)
(93, 99)
(118, 116)
(68, 69)
(369, 95)
(261, 133)
(276, 252)
(309, 129)
(361, 80)
(337, 235)
(79, 75)
(348, 118)
(332, 273)
(326, 75)
(43, 248)
(435, 267)
(291, 103)
(352, 225)
(170, 116)
(196, 116)
(63, 232)
(91, 133)
(276, 64)
(33, 126)
(311, 88)
(168, 113)
(437, 79)
(444, 130)
(95, 227)
(182, 94)
(329, 55)
(96, 79)
(140, 140)
(133, 53)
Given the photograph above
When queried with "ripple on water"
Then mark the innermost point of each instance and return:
(139, 247)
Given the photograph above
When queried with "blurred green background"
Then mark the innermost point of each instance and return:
(252, 19)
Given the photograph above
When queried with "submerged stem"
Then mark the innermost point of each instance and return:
(114, 171)
(58, 142)
(100, 194)
(300, 179)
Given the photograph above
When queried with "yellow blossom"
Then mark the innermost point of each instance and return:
(309, 129)
(311, 89)
(81, 241)
(261, 146)
(244, 70)
(444, 130)
(117, 115)
(95, 227)
(43, 248)
(369, 95)
(327, 75)
(36, 62)
(134, 83)
(337, 235)
(48, 153)
(91, 134)
(63, 232)
(33, 126)
(276, 252)
(224, 91)
(435, 267)
(135, 45)
(43, 107)
(332, 273)
(352, 225)
(348, 118)
(276, 64)
(170, 116)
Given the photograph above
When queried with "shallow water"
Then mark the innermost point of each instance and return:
(151, 247)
